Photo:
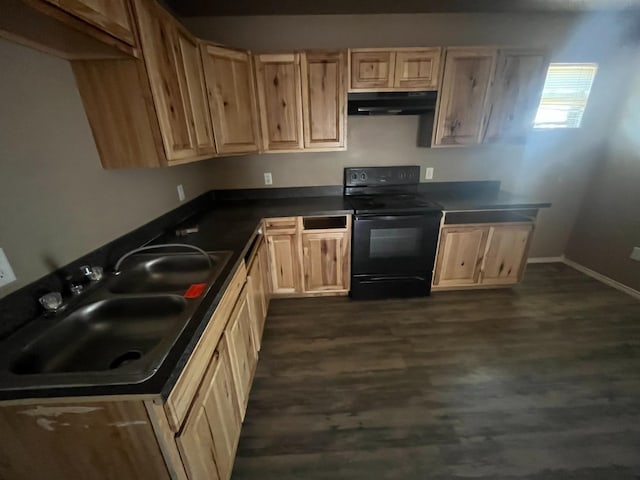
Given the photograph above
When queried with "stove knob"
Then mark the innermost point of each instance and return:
(363, 177)
(354, 176)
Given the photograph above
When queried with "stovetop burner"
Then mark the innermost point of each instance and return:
(395, 203)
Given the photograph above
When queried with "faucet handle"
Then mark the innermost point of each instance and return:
(52, 302)
(92, 273)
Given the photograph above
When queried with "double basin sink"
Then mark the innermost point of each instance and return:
(120, 331)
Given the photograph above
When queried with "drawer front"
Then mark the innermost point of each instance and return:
(276, 226)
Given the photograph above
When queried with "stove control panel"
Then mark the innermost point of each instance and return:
(379, 176)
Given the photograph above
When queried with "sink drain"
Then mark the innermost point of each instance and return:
(125, 358)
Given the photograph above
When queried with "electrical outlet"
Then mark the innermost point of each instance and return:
(428, 173)
(268, 179)
(181, 193)
(635, 254)
(6, 272)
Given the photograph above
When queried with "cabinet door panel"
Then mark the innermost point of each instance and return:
(506, 255)
(257, 300)
(325, 259)
(239, 340)
(324, 99)
(283, 263)
(193, 88)
(232, 99)
(516, 94)
(280, 95)
(111, 16)
(371, 70)
(461, 117)
(210, 436)
(417, 69)
(460, 256)
(158, 38)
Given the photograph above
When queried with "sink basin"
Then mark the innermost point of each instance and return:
(168, 272)
(105, 335)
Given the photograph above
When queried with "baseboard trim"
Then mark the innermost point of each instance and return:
(603, 278)
(559, 259)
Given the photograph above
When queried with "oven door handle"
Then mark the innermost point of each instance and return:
(389, 218)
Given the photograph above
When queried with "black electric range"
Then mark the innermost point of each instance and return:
(395, 232)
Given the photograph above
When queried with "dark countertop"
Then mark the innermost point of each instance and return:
(232, 225)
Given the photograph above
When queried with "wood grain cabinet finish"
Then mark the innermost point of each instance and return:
(280, 99)
(326, 261)
(371, 69)
(111, 16)
(209, 439)
(462, 106)
(284, 263)
(506, 254)
(258, 296)
(324, 100)
(460, 253)
(417, 69)
(238, 338)
(515, 96)
(232, 99)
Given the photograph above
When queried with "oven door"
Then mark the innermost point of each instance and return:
(398, 245)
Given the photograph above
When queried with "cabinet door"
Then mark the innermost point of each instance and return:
(324, 99)
(516, 94)
(506, 257)
(111, 16)
(371, 70)
(158, 38)
(191, 76)
(460, 254)
(232, 98)
(280, 96)
(417, 69)
(284, 263)
(326, 261)
(239, 341)
(209, 439)
(257, 301)
(461, 116)
(266, 275)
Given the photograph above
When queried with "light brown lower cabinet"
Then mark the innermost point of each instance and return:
(284, 263)
(326, 261)
(481, 255)
(258, 293)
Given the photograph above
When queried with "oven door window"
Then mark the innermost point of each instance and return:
(394, 242)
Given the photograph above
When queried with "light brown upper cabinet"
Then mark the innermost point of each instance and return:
(515, 94)
(111, 16)
(163, 42)
(462, 105)
(232, 99)
(324, 100)
(398, 69)
(280, 98)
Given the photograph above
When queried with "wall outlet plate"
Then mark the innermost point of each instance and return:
(635, 254)
(428, 173)
(6, 272)
(268, 179)
(181, 193)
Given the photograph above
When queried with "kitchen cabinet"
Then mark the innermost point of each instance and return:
(482, 255)
(238, 339)
(324, 100)
(175, 90)
(280, 101)
(460, 253)
(232, 99)
(398, 69)
(326, 253)
(209, 439)
(111, 16)
(284, 263)
(506, 254)
(462, 104)
(258, 294)
(515, 95)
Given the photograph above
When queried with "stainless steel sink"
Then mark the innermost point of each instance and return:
(104, 335)
(119, 332)
(148, 272)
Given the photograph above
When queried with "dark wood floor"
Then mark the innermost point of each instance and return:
(539, 382)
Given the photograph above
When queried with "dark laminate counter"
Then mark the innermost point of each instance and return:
(232, 225)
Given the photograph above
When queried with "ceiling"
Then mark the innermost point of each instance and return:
(190, 8)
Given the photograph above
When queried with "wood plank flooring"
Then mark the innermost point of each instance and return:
(538, 382)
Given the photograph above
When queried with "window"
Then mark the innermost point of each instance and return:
(565, 94)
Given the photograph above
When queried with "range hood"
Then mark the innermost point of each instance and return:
(392, 103)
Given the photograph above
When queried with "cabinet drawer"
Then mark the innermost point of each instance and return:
(320, 224)
(183, 393)
(276, 226)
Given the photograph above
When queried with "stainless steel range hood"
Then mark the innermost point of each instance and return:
(392, 103)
